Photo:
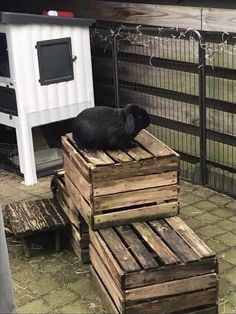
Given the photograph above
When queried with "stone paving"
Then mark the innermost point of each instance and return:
(58, 283)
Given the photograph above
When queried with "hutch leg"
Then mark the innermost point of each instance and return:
(26, 154)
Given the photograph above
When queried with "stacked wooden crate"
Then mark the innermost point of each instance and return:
(118, 187)
(144, 260)
(151, 267)
(79, 236)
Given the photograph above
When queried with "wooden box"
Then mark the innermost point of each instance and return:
(117, 187)
(79, 237)
(159, 266)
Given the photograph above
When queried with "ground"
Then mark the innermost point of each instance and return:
(57, 282)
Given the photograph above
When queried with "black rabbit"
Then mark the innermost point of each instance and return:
(109, 128)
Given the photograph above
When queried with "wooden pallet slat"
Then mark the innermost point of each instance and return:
(168, 305)
(98, 158)
(170, 273)
(118, 249)
(190, 237)
(77, 178)
(159, 247)
(77, 199)
(153, 145)
(106, 279)
(182, 286)
(135, 183)
(104, 295)
(142, 213)
(125, 170)
(136, 246)
(119, 156)
(138, 153)
(109, 261)
(180, 247)
(137, 197)
(70, 150)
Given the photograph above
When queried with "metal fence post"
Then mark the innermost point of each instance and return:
(202, 113)
(115, 69)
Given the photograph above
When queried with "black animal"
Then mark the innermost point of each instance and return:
(109, 128)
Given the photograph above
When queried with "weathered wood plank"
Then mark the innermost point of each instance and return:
(212, 16)
(177, 244)
(170, 273)
(138, 153)
(139, 13)
(136, 246)
(106, 278)
(138, 197)
(167, 289)
(82, 253)
(162, 251)
(190, 237)
(67, 205)
(79, 201)
(169, 305)
(105, 297)
(208, 310)
(146, 167)
(154, 145)
(138, 214)
(109, 261)
(118, 249)
(77, 178)
(134, 183)
(119, 156)
(83, 166)
(97, 158)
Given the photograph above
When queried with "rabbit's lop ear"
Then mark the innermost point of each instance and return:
(129, 124)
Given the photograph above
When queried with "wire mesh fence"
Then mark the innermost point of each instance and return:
(186, 81)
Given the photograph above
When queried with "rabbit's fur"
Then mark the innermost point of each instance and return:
(109, 128)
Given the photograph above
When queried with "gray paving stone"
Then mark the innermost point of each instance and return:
(224, 266)
(232, 297)
(43, 286)
(189, 198)
(208, 218)
(227, 225)
(228, 239)
(225, 307)
(205, 205)
(203, 192)
(210, 231)
(223, 212)
(195, 224)
(219, 199)
(36, 306)
(230, 256)
(60, 297)
(230, 276)
(216, 245)
(232, 205)
(190, 211)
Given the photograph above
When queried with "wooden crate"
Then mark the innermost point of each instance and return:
(79, 236)
(117, 187)
(159, 266)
